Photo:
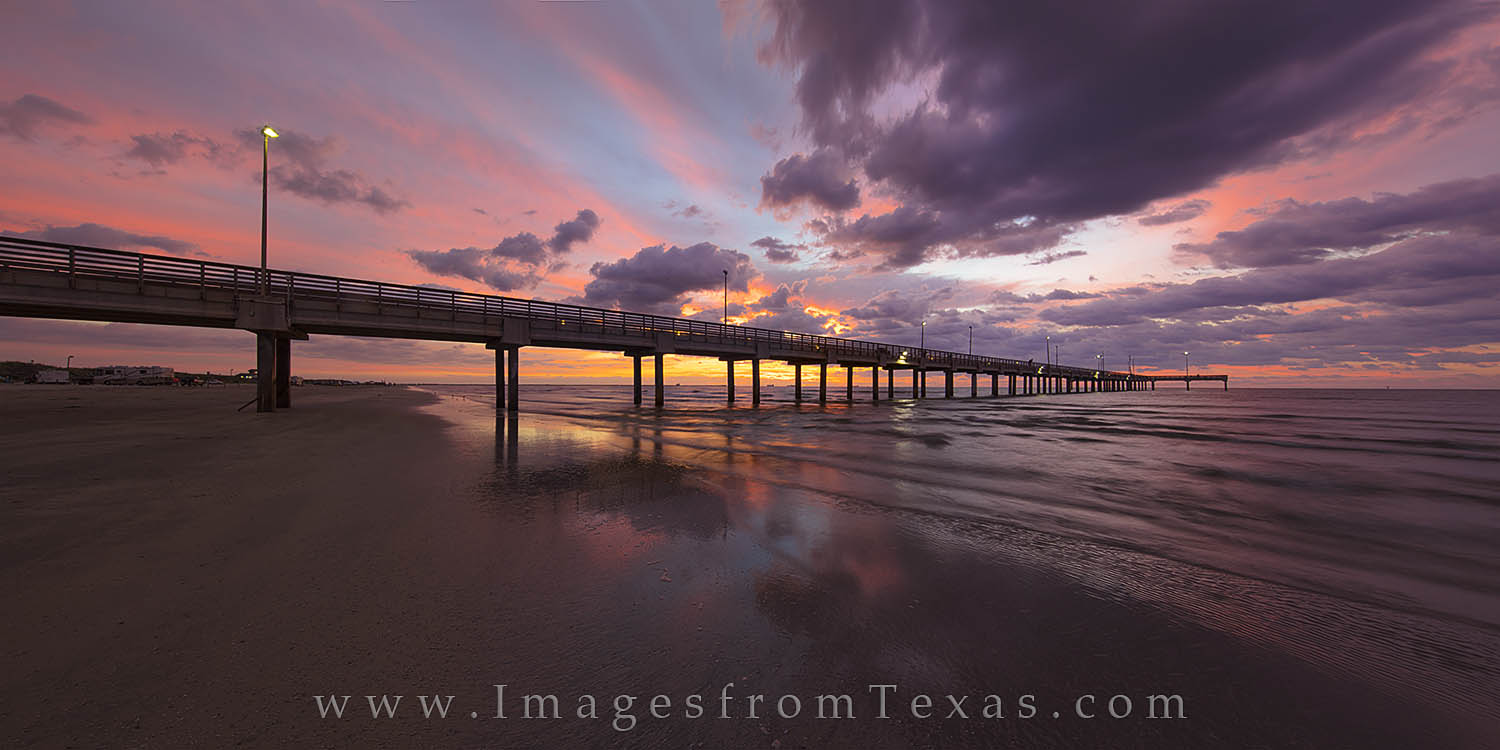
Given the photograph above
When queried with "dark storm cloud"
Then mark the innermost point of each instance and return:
(659, 279)
(904, 237)
(778, 251)
(1048, 114)
(516, 262)
(568, 233)
(1428, 268)
(25, 118)
(299, 167)
(98, 235)
(821, 178)
(1184, 211)
(1293, 232)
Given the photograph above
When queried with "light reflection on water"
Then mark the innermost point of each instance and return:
(1353, 530)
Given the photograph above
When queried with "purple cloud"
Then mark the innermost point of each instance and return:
(1185, 211)
(568, 233)
(1292, 232)
(1037, 120)
(24, 118)
(659, 278)
(516, 262)
(98, 235)
(299, 167)
(821, 179)
(778, 251)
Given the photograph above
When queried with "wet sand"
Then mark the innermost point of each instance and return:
(179, 574)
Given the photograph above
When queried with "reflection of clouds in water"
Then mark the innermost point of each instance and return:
(835, 546)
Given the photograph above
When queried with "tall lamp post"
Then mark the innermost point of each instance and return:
(267, 132)
(726, 296)
(1099, 360)
(924, 341)
(971, 341)
(1047, 355)
(1184, 364)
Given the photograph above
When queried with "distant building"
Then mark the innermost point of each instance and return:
(53, 377)
(134, 375)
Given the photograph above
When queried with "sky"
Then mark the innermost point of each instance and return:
(1298, 194)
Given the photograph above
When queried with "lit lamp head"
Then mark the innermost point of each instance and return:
(269, 132)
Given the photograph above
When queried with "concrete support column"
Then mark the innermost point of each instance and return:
(661, 382)
(755, 382)
(265, 371)
(637, 366)
(822, 382)
(994, 384)
(513, 363)
(500, 379)
(283, 372)
(916, 383)
(849, 383)
(1188, 383)
(1012, 384)
(730, 363)
(973, 384)
(797, 385)
(947, 384)
(875, 383)
(924, 384)
(1153, 385)
(890, 384)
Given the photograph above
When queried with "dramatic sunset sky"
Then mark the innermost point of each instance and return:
(1299, 193)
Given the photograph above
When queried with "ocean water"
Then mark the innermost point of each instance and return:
(1356, 532)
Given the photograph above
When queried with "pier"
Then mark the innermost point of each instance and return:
(52, 280)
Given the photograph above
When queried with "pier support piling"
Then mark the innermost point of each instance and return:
(265, 371)
(661, 388)
(730, 381)
(755, 382)
(875, 383)
(947, 384)
(500, 379)
(823, 383)
(283, 372)
(636, 365)
(513, 362)
(797, 383)
(849, 383)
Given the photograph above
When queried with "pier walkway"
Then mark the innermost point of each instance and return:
(51, 280)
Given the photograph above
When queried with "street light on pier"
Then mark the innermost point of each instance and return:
(1099, 361)
(1047, 351)
(267, 132)
(971, 341)
(726, 296)
(1184, 364)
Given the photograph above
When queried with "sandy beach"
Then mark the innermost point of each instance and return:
(178, 574)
